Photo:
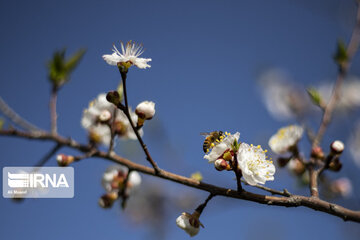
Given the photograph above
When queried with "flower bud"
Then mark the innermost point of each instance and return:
(104, 116)
(120, 128)
(337, 147)
(107, 200)
(189, 223)
(317, 152)
(113, 97)
(296, 166)
(282, 161)
(335, 165)
(145, 111)
(221, 165)
(64, 160)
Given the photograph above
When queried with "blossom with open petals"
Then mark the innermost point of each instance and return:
(222, 146)
(189, 223)
(254, 166)
(114, 177)
(128, 56)
(99, 115)
(285, 138)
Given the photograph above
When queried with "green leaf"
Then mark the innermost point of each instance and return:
(60, 69)
(341, 54)
(314, 96)
(74, 60)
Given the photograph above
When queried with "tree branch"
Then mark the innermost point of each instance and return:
(15, 118)
(135, 129)
(327, 114)
(53, 114)
(291, 201)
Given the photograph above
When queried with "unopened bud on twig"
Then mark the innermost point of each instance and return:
(104, 116)
(282, 161)
(145, 111)
(296, 166)
(317, 152)
(190, 223)
(335, 165)
(64, 160)
(113, 97)
(107, 200)
(337, 147)
(221, 165)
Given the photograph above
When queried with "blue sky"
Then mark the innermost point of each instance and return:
(206, 59)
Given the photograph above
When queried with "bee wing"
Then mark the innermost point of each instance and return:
(205, 134)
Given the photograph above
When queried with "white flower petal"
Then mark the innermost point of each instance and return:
(183, 222)
(253, 164)
(285, 138)
(221, 147)
(112, 59)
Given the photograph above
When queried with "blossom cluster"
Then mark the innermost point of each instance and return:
(113, 182)
(99, 116)
(251, 160)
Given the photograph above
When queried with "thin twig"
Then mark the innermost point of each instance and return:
(112, 130)
(202, 206)
(238, 173)
(343, 70)
(292, 201)
(327, 114)
(127, 113)
(123, 193)
(86, 155)
(53, 114)
(15, 118)
(46, 158)
(285, 192)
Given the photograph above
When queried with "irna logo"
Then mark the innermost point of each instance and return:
(34, 180)
(43, 182)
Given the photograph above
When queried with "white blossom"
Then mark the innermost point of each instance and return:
(254, 166)
(145, 110)
(349, 96)
(224, 145)
(114, 176)
(285, 138)
(129, 54)
(99, 113)
(281, 97)
(189, 223)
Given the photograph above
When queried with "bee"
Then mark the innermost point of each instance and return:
(211, 139)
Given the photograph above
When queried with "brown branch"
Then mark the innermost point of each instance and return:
(112, 130)
(53, 114)
(291, 201)
(16, 118)
(343, 70)
(48, 155)
(285, 192)
(123, 193)
(313, 183)
(327, 114)
(202, 206)
(238, 173)
(135, 129)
